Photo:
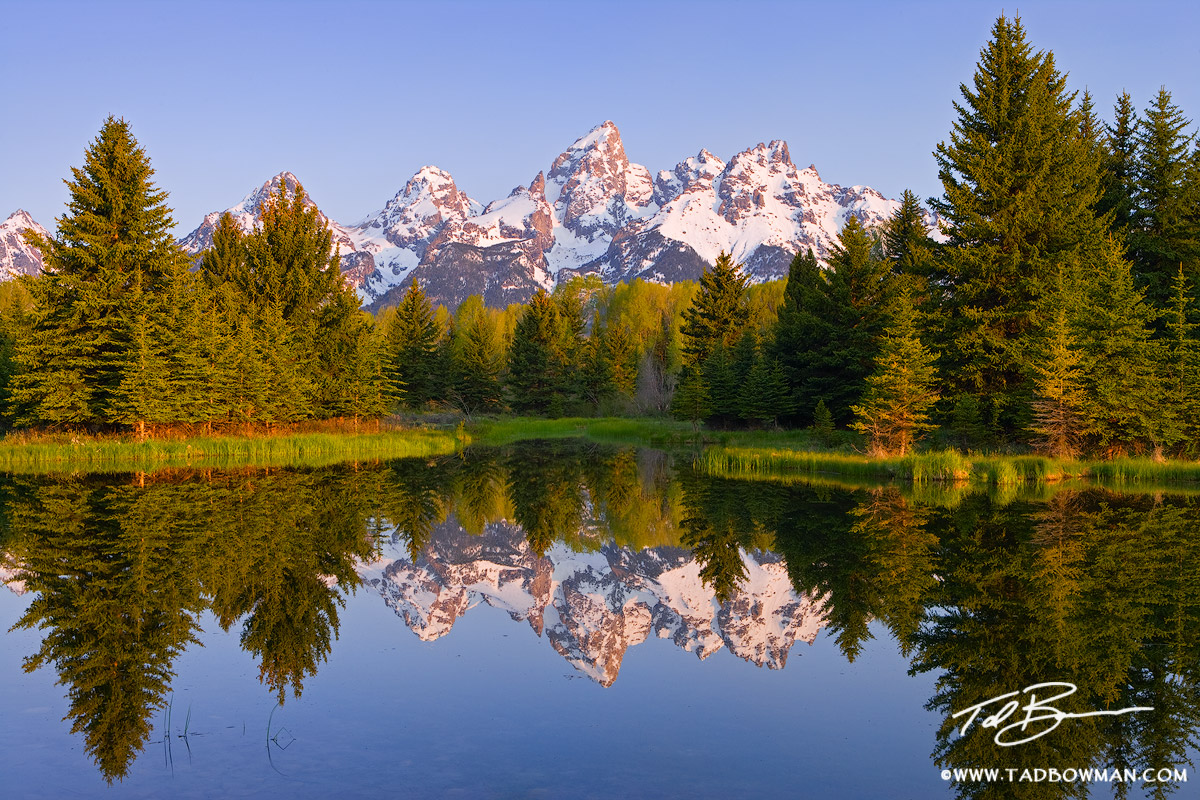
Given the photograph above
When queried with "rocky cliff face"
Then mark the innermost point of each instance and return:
(17, 257)
(591, 607)
(592, 211)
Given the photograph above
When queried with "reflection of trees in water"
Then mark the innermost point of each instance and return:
(115, 603)
(545, 483)
(122, 571)
(1088, 588)
(994, 593)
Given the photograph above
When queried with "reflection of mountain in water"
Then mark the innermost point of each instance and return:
(9, 575)
(593, 606)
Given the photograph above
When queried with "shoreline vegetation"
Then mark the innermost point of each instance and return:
(742, 455)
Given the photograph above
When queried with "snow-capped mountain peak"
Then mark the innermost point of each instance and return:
(18, 257)
(248, 214)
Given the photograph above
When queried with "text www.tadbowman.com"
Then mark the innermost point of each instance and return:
(1051, 775)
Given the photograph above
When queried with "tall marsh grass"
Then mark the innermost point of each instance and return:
(943, 466)
(282, 450)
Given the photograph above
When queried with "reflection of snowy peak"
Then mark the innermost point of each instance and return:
(8, 575)
(591, 212)
(594, 606)
(16, 256)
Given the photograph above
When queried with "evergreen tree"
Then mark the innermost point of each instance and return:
(1120, 165)
(142, 396)
(691, 401)
(351, 376)
(477, 359)
(717, 314)
(900, 392)
(907, 245)
(290, 259)
(1166, 229)
(411, 348)
(15, 304)
(292, 283)
(533, 359)
(1114, 324)
(827, 335)
(623, 358)
(1059, 396)
(116, 235)
(225, 259)
(764, 398)
(803, 324)
(1181, 372)
(594, 375)
(823, 423)
(1020, 190)
(721, 382)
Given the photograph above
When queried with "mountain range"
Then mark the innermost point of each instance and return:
(593, 211)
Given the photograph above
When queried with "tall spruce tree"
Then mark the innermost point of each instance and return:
(534, 357)
(1020, 191)
(1120, 165)
(829, 325)
(1181, 370)
(718, 313)
(411, 348)
(113, 246)
(303, 312)
(1114, 324)
(907, 245)
(1165, 229)
(477, 360)
(803, 324)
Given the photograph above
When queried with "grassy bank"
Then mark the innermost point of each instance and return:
(947, 466)
(66, 453)
(754, 455)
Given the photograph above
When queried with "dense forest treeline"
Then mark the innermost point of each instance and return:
(1056, 308)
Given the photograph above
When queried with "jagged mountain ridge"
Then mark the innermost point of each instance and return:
(591, 607)
(592, 212)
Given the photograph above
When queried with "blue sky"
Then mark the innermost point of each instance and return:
(355, 96)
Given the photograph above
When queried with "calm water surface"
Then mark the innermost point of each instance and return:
(566, 620)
